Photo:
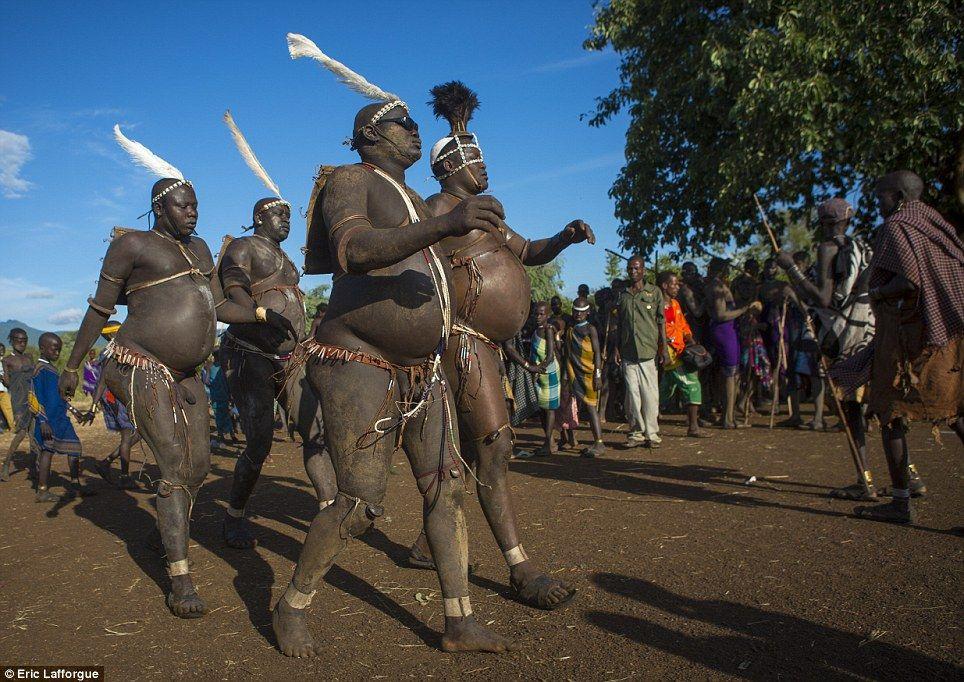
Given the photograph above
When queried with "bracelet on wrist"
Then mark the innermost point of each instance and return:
(71, 370)
(261, 314)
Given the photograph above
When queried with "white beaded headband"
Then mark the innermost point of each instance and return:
(177, 184)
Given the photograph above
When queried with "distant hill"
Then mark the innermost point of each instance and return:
(33, 334)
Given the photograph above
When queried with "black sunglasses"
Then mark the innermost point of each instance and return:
(407, 122)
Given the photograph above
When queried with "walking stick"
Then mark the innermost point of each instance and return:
(863, 474)
(781, 351)
(626, 258)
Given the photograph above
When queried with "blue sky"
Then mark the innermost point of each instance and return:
(167, 71)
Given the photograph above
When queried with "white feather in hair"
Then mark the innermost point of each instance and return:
(143, 156)
(300, 46)
(248, 155)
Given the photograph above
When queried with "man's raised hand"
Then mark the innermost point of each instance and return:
(577, 231)
(481, 212)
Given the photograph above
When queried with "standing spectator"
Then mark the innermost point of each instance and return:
(220, 400)
(543, 354)
(560, 319)
(584, 370)
(677, 378)
(18, 370)
(91, 374)
(723, 313)
(320, 311)
(6, 408)
(642, 333)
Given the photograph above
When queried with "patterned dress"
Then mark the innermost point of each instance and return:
(547, 383)
(580, 367)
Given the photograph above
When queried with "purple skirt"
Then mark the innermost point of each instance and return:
(726, 343)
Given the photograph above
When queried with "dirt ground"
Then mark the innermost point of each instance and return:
(683, 570)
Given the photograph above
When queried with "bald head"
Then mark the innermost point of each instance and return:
(905, 182)
(896, 188)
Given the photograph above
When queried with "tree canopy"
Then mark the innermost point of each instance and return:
(546, 280)
(795, 101)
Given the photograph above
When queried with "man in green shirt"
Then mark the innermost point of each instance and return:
(642, 338)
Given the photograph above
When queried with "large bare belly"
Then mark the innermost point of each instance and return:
(393, 312)
(503, 304)
(267, 338)
(174, 322)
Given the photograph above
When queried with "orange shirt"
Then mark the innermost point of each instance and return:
(677, 328)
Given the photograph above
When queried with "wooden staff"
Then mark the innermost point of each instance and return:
(781, 359)
(862, 472)
(626, 258)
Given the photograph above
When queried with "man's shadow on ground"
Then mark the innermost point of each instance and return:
(759, 643)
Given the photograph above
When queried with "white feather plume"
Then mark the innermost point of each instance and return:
(248, 155)
(300, 46)
(143, 156)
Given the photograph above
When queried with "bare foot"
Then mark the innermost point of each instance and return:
(465, 634)
(237, 533)
(534, 588)
(291, 631)
(184, 601)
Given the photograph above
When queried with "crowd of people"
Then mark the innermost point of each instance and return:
(430, 344)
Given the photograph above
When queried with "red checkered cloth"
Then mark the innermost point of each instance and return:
(918, 244)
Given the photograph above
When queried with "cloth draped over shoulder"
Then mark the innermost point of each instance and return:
(581, 367)
(918, 244)
(52, 410)
(913, 364)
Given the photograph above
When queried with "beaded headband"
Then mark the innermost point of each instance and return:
(272, 204)
(177, 184)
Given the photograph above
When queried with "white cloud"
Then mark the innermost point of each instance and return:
(14, 153)
(573, 63)
(17, 287)
(67, 316)
(609, 160)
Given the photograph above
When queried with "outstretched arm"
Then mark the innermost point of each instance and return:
(718, 310)
(515, 356)
(542, 251)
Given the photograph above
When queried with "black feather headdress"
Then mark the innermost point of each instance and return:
(455, 102)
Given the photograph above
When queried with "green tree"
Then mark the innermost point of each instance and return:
(547, 281)
(615, 268)
(312, 298)
(794, 101)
